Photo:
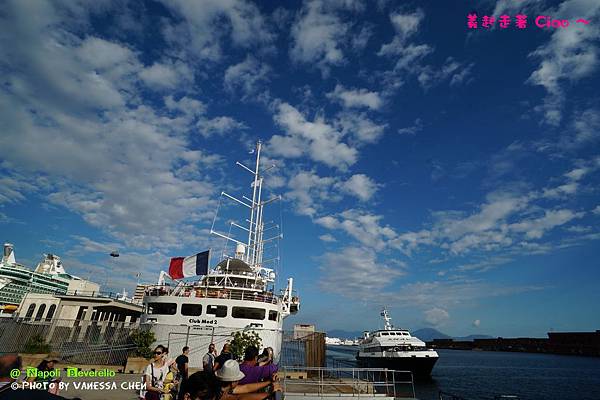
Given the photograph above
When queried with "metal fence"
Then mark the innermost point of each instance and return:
(76, 341)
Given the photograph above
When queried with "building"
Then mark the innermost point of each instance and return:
(302, 331)
(49, 277)
(46, 307)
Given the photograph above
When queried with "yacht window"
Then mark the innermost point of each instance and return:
(248, 313)
(217, 311)
(405, 334)
(193, 310)
(162, 308)
(384, 333)
(273, 315)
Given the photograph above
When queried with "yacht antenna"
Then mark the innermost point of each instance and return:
(387, 324)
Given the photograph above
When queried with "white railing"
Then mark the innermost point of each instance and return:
(347, 382)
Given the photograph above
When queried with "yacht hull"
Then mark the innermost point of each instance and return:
(420, 366)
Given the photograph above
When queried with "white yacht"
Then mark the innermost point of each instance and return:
(237, 294)
(396, 349)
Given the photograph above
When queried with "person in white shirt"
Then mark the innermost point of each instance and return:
(154, 375)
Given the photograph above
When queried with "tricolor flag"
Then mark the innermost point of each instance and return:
(182, 267)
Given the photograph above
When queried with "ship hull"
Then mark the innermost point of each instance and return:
(420, 367)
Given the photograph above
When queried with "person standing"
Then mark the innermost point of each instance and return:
(208, 361)
(155, 374)
(253, 372)
(224, 356)
(182, 362)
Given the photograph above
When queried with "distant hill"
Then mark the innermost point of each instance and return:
(472, 337)
(428, 334)
(338, 333)
(425, 334)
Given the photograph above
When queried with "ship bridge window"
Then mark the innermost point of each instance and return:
(273, 315)
(217, 311)
(162, 308)
(192, 310)
(248, 313)
(384, 334)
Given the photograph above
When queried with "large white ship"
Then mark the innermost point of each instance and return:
(396, 349)
(238, 294)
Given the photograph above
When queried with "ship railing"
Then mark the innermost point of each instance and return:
(100, 294)
(346, 382)
(231, 293)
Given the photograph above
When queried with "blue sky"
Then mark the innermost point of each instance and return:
(450, 174)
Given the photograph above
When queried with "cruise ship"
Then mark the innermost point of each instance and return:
(236, 294)
(396, 349)
(49, 276)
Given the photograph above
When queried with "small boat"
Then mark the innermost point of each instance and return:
(396, 349)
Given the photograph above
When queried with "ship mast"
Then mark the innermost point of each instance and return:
(253, 247)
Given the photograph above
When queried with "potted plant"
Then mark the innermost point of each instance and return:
(35, 350)
(241, 340)
(140, 341)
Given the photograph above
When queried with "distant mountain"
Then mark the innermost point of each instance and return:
(338, 333)
(425, 334)
(428, 334)
(472, 337)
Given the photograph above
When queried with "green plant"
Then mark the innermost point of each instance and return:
(36, 344)
(142, 340)
(241, 340)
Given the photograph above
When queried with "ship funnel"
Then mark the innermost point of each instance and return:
(8, 256)
(240, 251)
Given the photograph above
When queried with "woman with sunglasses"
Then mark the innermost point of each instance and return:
(154, 375)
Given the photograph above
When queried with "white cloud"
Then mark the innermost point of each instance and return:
(476, 323)
(535, 228)
(364, 227)
(247, 76)
(362, 274)
(412, 130)
(206, 25)
(569, 56)
(308, 192)
(409, 56)
(161, 76)
(319, 35)
(360, 127)
(360, 186)
(316, 139)
(596, 210)
(436, 316)
(356, 98)
(327, 238)
(219, 126)
(73, 116)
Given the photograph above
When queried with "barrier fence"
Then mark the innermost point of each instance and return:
(108, 342)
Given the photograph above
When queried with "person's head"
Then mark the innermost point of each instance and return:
(51, 360)
(226, 348)
(211, 348)
(230, 373)
(251, 353)
(200, 386)
(159, 352)
(185, 350)
(8, 362)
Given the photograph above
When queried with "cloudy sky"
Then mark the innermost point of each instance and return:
(448, 173)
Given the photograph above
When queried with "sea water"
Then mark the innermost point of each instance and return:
(486, 374)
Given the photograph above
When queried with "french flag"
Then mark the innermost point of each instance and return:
(182, 267)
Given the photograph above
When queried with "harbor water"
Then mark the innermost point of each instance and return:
(484, 375)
